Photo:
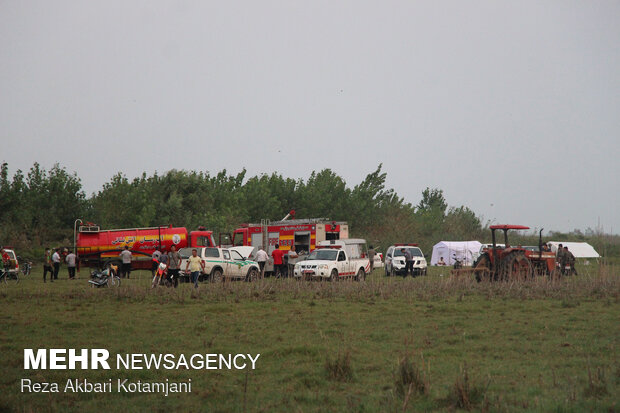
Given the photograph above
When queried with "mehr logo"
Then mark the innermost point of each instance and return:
(60, 360)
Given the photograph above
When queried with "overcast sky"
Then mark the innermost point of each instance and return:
(512, 108)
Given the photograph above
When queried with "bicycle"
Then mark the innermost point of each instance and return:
(8, 276)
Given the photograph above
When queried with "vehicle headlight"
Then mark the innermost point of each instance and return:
(323, 266)
(297, 266)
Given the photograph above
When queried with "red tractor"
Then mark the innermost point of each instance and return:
(505, 263)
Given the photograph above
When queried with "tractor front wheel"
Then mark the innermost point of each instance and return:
(482, 268)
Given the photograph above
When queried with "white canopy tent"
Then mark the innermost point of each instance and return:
(579, 249)
(467, 251)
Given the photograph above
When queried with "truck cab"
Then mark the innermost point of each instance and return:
(334, 260)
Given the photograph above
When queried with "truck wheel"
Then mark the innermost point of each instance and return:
(252, 275)
(387, 274)
(334, 275)
(216, 276)
(361, 275)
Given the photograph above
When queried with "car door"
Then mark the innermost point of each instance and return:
(236, 264)
(341, 263)
(229, 269)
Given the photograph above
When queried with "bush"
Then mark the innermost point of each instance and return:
(339, 369)
(464, 394)
(410, 378)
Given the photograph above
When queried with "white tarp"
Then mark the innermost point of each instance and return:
(579, 249)
(467, 251)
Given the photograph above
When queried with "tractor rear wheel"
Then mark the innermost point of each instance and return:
(482, 268)
(515, 266)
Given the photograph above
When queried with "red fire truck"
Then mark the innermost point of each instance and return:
(301, 234)
(96, 247)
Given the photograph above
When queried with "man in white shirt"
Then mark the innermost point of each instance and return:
(292, 259)
(71, 259)
(261, 259)
(56, 263)
(125, 257)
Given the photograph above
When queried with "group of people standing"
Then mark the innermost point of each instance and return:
(565, 259)
(52, 261)
(172, 261)
(282, 260)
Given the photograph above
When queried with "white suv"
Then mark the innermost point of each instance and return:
(395, 260)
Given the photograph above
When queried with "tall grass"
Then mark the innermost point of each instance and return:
(600, 283)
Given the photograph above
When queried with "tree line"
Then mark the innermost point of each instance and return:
(38, 209)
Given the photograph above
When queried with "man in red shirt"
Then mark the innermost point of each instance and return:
(278, 264)
(5, 264)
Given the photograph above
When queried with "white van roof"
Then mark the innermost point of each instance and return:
(347, 241)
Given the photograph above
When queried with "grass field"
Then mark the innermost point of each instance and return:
(431, 343)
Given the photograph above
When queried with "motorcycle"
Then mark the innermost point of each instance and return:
(105, 278)
(458, 263)
(25, 267)
(160, 275)
(566, 269)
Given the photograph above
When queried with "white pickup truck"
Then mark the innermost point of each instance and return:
(221, 263)
(338, 259)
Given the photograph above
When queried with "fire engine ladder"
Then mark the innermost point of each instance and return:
(264, 227)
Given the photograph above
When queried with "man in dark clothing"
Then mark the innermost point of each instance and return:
(174, 265)
(568, 260)
(47, 265)
(371, 257)
(408, 261)
(559, 254)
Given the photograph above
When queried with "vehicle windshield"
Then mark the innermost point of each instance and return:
(187, 252)
(415, 252)
(328, 255)
(235, 255)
